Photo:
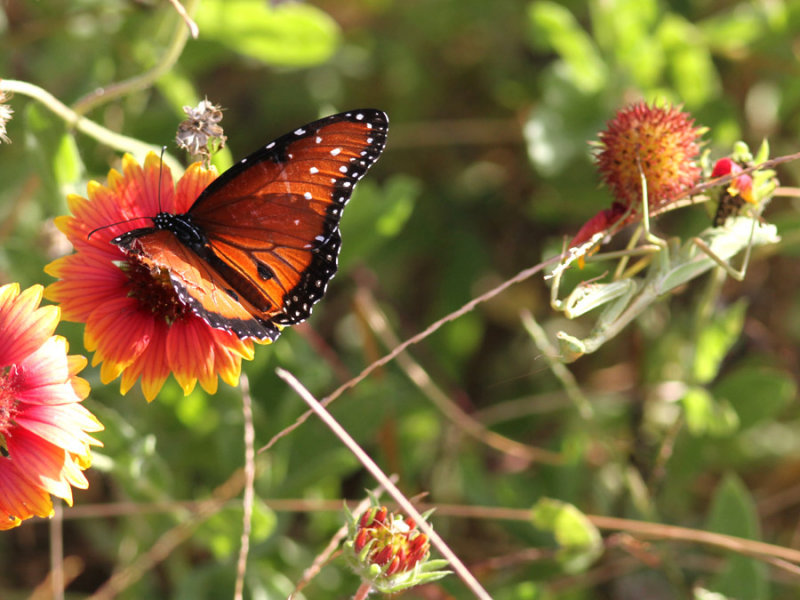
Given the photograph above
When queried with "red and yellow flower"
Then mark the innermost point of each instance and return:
(389, 552)
(135, 323)
(44, 428)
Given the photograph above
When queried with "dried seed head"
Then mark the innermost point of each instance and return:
(201, 134)
(660, 142)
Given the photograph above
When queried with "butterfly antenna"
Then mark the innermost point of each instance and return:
(96, 229)
(160, 171)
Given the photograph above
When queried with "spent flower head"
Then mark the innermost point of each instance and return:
(389, 552)
(5, 116)
(659, 142)
(201, 134)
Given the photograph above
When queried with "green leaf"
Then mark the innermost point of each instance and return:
(291, 34)
(716, 339)
(401, 193)
(579, 540)
(624, 29)
(773, 389)
(376, 215)
(553, 26)
(54, 152)
(732, 31)
(704, 594)
(222, 531)
(690, 62)
(733, 512)
(707, 416)
(67, 163)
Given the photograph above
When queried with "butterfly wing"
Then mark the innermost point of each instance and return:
(271, 221)
(196, 282)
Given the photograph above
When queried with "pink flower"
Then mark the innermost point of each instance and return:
(44, 427)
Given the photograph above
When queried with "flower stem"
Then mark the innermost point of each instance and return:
(146, 79)
(363, 591)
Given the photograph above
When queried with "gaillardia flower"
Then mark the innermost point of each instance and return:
(389, 552)
(44, 439)
(136, 325)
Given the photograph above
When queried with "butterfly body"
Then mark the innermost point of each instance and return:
(258, 246)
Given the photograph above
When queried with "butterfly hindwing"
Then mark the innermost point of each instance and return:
(199, 285)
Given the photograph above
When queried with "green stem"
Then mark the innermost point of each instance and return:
(363, 591)
(101, 134)
(562, 373)
(146, 79)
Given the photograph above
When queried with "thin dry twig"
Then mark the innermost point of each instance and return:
(432, 328)
(72, 567)
(467, 423)
(753, 548)
(194, 30)
(249, 484)
(57, 551)
(405, 504)
(168, 541)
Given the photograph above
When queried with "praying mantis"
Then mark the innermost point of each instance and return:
(672, 263)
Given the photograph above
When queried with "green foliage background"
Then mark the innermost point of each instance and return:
(486, 170)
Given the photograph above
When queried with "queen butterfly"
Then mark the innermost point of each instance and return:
(258, 247)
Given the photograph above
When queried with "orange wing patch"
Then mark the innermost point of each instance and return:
(202, 288)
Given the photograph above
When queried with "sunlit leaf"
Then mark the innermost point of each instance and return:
(290, 34)
(733, 512)
(579, 541)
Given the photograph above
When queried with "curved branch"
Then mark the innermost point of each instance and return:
(80, 123)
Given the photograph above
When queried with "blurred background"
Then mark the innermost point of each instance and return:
(486, 171)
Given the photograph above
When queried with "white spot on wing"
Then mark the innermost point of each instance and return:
(300, 131)
(307, 196)
(359, 117)
(335, 151)
(318, 139)
(313, 170)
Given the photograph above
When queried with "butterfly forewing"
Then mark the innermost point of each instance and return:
(200, 286)
(286, 201)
